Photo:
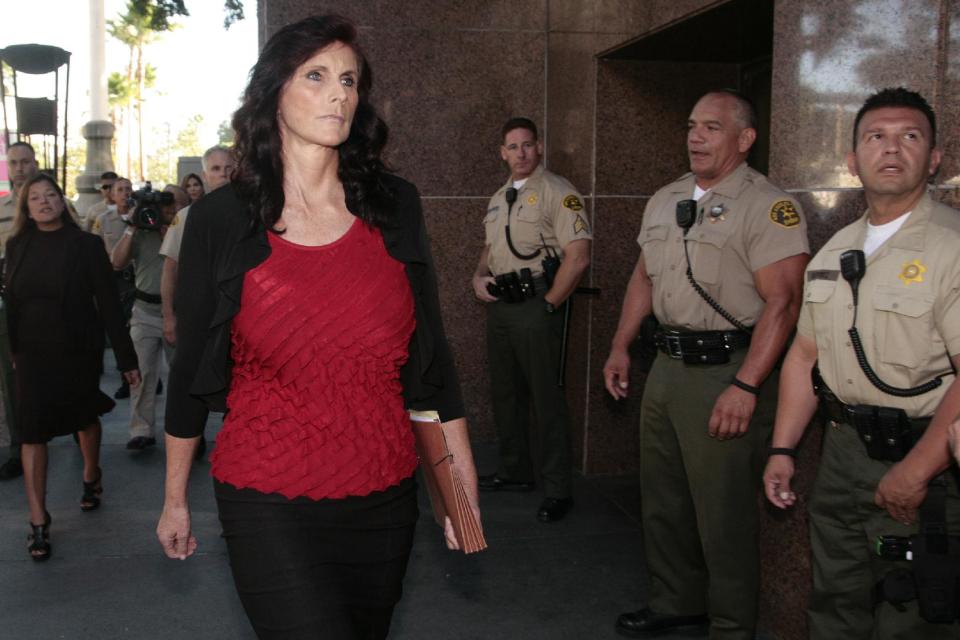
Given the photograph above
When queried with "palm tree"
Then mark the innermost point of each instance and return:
(135, 29)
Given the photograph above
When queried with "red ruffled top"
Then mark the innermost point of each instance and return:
(315, 402)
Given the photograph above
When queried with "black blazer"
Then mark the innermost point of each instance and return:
(221, 243)
(89, 296)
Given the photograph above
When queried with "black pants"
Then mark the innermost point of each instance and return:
(311, 569)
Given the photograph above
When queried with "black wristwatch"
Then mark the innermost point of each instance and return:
(548, 307)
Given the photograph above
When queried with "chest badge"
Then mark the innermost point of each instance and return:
(716, 214)
(532, 199)
(912, 272)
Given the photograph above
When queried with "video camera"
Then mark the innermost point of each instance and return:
(146, 205)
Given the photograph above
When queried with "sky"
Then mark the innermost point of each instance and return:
(201, 68)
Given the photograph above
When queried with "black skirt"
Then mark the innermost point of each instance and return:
(58, 391)
(329, 569)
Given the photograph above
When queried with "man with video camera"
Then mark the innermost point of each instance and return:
(140, 245)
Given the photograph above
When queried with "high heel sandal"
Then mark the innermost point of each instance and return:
(91, 492)
(39, 539)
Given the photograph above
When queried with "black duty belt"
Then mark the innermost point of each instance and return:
(513, 287)
(700, 347)
(887, 432)
(152, 298)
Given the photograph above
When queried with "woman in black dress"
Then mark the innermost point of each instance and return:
(61, 296)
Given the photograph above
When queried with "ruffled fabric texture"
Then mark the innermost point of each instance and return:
(315, 403)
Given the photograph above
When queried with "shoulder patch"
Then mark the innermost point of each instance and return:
(175, 221)
(572, 202)
(96, 226)
(784, 214)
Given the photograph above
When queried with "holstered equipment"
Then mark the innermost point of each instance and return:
(700, 347)
(887, 433)
(515, 287)
(934, 577)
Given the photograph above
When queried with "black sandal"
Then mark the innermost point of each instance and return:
(39, 539)
(91, 493)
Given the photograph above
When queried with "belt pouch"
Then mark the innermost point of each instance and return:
(865, 421)
(895, 434)
(509, 284)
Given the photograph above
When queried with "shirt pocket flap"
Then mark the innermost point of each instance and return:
(655, 232)
(819, 290)
(896, 300)
(711, 236)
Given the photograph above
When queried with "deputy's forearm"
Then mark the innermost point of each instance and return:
(482, 264)
(637, 305)
(931, 455)
(770, 335)
(576, 259)
(796, 402)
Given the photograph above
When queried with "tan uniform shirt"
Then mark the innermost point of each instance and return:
(744, 223)
(548, 206)
(147, 261)
(8, 214)
(908, 312)
(109, 226)
(170, 247)
(94, 212)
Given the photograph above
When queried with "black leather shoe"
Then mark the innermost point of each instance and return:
(493, 482)
(646, 623)
(122, 392)
(553, 509)
(139, 443)
(11, 469)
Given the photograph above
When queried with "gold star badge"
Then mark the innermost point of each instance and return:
(532, 200)
(912, 272)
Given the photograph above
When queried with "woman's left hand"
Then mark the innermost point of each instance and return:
(132, 377)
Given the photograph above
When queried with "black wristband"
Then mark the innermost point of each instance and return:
(781, 451)
(740, 384)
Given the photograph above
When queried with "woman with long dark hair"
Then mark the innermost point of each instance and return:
(60, 296)
(193, 185)
(310, 310)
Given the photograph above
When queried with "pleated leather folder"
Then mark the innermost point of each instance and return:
(447, 494)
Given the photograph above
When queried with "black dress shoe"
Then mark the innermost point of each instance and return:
(139, 443)
(553, 509)
(11, 469)
(123, 391)
(647, 623)
(493, 482)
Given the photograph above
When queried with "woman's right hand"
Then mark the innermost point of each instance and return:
(132, 377)
(173, 532)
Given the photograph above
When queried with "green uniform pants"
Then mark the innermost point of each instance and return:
(844, 525)
(523, 347)
(700, 496)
